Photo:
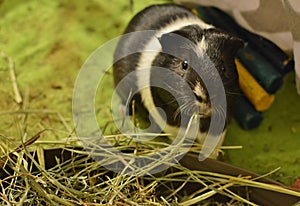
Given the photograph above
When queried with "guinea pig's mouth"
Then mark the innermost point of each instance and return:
(204, 110)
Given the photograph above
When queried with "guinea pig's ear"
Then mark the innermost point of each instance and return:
(232, 45)
(169, 42)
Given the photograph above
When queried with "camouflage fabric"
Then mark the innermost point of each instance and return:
(277, 20)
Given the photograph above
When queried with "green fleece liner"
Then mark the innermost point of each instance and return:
(50, 40)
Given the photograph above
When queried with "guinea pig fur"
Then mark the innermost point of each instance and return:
(165, 23)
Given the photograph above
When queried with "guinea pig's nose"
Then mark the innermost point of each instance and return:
(199, 98)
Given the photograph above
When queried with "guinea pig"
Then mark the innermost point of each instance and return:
(163, 49)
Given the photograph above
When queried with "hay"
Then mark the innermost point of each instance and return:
(80, 181)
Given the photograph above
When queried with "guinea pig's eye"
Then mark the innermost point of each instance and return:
(184, 65)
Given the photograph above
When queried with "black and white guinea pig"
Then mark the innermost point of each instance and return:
(161, 48)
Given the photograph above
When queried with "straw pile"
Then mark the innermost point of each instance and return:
(26, 179)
